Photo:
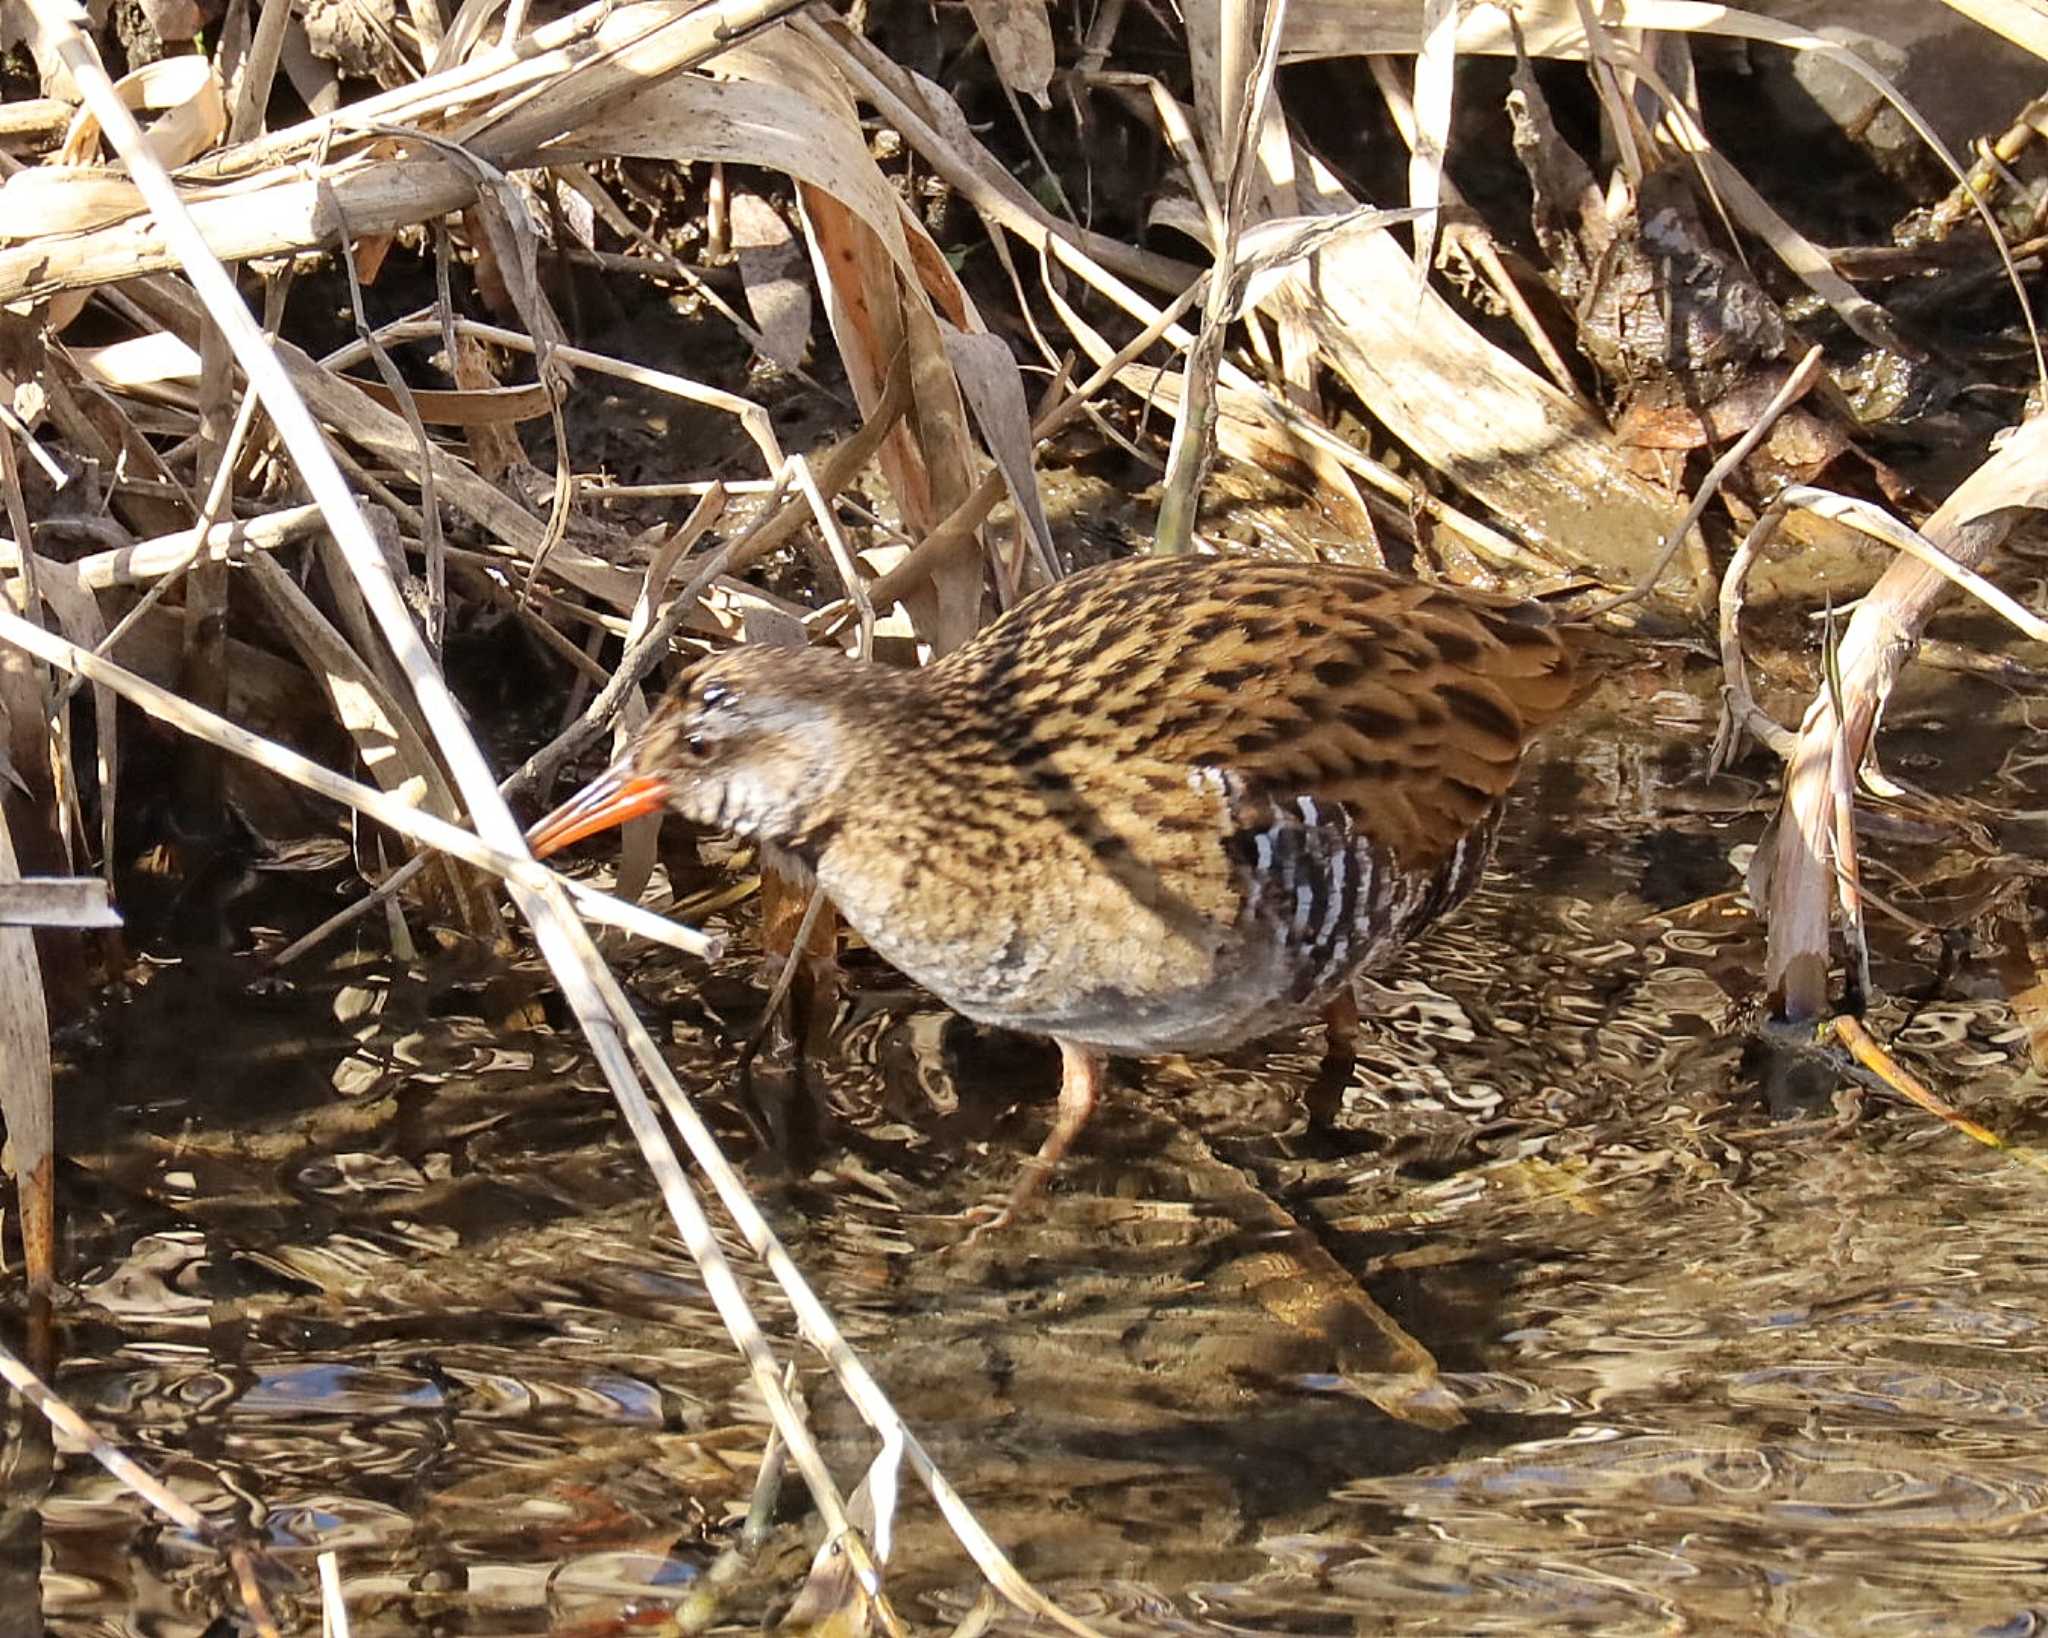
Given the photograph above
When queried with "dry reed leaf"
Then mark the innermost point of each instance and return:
(2024, 22)
(988, 376)
(51, 199)
(693, 120)
(1019, 41)
(141, 361)
(875, 313)
(508, 254)
(185, 94)
(315, 78)
(475, 408)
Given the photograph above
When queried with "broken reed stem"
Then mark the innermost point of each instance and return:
(1880, 639)
(1848, 869)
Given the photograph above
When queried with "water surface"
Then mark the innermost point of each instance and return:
(365, 1261)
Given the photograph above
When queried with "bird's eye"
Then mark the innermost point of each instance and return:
(697, 746)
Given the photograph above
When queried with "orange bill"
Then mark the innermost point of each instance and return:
(609, 800)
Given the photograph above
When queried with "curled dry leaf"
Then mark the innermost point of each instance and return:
(771, 271)
(1019, 41)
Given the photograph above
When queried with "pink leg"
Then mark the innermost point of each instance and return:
(1340, 1057)
(1081, 1077)
(1340, 1024)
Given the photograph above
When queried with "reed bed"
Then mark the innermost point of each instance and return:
(267, 546)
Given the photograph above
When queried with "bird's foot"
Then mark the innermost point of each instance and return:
(989, 1218)
(980, 1221)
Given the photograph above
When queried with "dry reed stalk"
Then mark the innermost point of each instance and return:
(618, 1040)
(27, 1091)
(1192, 448)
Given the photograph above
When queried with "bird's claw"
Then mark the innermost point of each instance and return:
(983, 1220)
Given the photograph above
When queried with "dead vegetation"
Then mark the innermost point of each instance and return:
(238, 503)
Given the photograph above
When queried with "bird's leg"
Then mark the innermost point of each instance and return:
(1081, 1076)
(1340, 1058)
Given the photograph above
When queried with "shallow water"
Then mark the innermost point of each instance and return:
(365, 1260)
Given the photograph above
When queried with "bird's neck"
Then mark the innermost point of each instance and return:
(884, 738)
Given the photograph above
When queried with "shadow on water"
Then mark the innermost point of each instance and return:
(365, 1261)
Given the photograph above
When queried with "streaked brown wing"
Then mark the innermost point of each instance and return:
(1405, 706)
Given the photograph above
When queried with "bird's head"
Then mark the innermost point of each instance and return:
(755, 741)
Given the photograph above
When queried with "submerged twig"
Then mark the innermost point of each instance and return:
(241, 1557)
(1871, 1053)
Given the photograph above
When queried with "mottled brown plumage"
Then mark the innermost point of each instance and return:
(1163, 805)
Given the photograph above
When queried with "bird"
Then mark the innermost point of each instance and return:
(1167, 804)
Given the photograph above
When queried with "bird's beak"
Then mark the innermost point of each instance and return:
(608, 800)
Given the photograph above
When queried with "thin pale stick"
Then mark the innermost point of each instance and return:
(1740, 711)
(1795, 387)
(386, 809)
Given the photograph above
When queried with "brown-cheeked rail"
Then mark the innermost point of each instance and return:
(1164, 805)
